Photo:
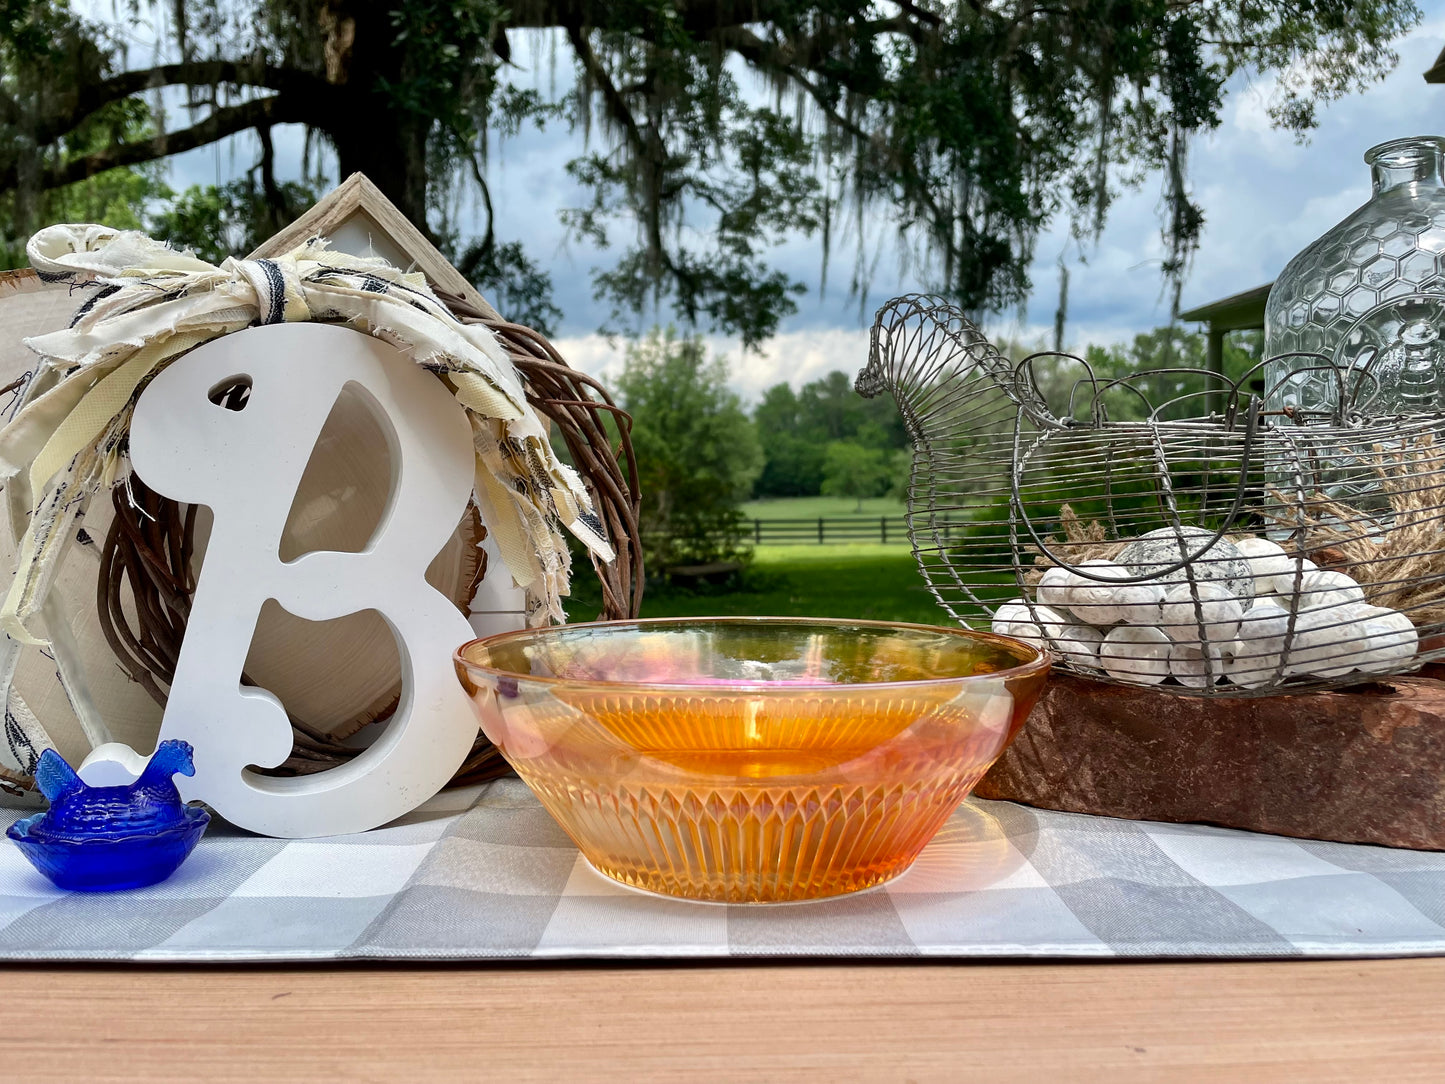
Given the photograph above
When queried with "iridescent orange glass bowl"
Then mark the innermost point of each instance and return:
(751, 759)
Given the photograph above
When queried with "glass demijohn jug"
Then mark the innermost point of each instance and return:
(1369, 295)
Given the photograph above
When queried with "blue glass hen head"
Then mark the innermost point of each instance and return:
(105, 838)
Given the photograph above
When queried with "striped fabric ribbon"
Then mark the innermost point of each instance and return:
(151, 303)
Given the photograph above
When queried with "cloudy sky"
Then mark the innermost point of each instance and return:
(1264, 197)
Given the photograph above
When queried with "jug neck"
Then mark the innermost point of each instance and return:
(1416, 160)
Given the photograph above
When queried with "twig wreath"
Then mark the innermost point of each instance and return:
(150, 304)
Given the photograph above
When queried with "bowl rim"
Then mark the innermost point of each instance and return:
(1039, 664)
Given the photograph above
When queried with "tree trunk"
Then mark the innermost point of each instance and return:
(371, 131)
(391, 151)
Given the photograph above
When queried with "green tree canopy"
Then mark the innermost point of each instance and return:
(797, 427)
(217, 221)
(1150, 355)
(792, 463)
(851, 470)
(697, 451)
(715, 128)
(119, 197)
(829, 409)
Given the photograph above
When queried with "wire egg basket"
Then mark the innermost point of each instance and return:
(1161, 527)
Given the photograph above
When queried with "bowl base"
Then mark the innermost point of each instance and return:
(650, 883)
(748, 844)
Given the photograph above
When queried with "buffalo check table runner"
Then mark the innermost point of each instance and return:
(484, 873)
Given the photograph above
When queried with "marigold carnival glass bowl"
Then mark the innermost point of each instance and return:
(751, 759)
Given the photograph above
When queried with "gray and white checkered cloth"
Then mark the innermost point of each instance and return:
(485, 873)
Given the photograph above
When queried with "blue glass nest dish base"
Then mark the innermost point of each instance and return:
(108, 865)
(100, 839)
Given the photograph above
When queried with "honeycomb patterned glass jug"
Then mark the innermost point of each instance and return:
(1369, 296)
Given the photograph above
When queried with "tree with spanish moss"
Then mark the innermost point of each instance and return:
(715, 128)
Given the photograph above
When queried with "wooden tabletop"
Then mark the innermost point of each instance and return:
(1354, 1021)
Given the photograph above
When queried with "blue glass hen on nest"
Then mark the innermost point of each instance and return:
(99, 839)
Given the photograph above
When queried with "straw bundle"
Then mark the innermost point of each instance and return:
(1397, 556)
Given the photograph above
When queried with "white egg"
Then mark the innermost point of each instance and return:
(1266, 561)
(1053, 587)
(1252, 660)
(1214, 617)
(1110, 603)
(1017, 612)
(1077, 645)
(1390, 637)
(1266, 622)
(1321, 590)
(1327, 642)
(1024, 630)
(1197, 665)
(1284, 583)
(1015, 609)
(1137, 653)
(1252, 664)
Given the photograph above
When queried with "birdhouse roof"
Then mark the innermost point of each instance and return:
(358, 219)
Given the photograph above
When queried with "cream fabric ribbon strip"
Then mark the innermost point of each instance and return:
(152, 303)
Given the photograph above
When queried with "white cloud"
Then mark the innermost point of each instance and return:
(595, 355)
(796, 357)
(1249, 113)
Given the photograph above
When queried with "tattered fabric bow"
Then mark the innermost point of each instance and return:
(153, 303)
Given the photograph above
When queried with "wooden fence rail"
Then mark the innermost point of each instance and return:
(821, 530)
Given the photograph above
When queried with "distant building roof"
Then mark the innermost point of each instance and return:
(1436, 74)
(1238, 312)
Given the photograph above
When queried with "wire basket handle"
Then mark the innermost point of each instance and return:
(1018, 510)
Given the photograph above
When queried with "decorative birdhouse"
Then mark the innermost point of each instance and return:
(344, 381)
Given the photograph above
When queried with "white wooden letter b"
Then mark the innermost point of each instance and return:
(246, 466)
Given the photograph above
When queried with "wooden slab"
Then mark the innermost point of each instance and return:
(1365, 765)
(1299, 1022)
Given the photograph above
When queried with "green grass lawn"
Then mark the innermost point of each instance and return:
(875, 582)
(813, 507)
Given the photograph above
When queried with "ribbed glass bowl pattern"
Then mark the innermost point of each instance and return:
(751, 759)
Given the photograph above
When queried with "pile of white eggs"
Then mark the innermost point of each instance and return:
(1253, 616)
